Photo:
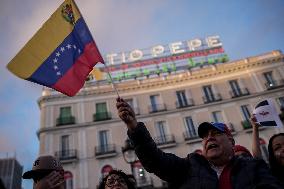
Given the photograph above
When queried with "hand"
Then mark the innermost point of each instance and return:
(52, 181)
(126, 113)
(254, 122)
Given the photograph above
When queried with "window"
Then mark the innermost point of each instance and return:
(68, 177)
(65, 116)
(161, 131)
(246, 112)
(65, 112)
(236, 91)
(65, 145)
(132, 104)
(101, 107)
(103, 140)
(269, 79)
(154, 99)
(217, 117)
(190, 129)
(181, 97)
(209, 95)
(101, 112)
(246, 115)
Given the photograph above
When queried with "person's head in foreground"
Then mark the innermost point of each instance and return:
(242, 152)
(116, 179)
(276, 152)
(46, 173)
(218, 143)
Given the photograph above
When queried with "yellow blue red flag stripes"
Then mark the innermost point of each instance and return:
(61, 54)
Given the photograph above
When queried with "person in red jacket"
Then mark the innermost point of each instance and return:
(242, 151)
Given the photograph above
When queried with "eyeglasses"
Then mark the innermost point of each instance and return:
(111, 182)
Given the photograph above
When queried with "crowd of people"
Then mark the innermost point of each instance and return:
(221, 164)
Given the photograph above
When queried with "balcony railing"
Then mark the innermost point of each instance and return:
(66, 155)
(212, 98)
(185, 103)
(105, 149)
(189, 136)
(246, 124)
(166, 139)
(157, 108)
(101, 116)
(65, 120)
(239, 93)
(275, 84)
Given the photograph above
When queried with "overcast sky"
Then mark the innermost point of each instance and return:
(246, 28)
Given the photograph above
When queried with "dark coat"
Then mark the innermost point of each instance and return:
(194, 171)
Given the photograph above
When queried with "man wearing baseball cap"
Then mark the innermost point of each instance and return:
(47, 173)
(218, 143)
(216, 168)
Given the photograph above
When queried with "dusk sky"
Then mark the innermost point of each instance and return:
(246, 28)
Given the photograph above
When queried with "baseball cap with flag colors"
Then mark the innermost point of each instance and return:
(206, 126)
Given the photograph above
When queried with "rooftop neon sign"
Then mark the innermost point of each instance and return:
(163, 50)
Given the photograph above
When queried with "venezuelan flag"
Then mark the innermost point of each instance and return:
(61, 54)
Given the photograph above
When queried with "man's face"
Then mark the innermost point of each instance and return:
(217, 146)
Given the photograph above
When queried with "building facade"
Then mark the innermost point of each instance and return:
(85, 133)
(11, 173)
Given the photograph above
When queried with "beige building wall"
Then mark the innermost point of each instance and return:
(85, 158)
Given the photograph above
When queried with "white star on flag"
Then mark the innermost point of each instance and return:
(62, 49)
(58, 54)
(55, 60)
(74, 46)
(55, 67)
(58, 73)
(68, 46)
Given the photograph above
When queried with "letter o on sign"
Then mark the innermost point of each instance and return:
(135, 55)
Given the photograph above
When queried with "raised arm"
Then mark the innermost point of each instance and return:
(167, 166)
(256, 152)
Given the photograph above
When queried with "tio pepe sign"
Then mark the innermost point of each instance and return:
(164, 50)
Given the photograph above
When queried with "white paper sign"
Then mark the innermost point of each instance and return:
(266, 114)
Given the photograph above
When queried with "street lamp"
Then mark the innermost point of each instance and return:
(129, 154)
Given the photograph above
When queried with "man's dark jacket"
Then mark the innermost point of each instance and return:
(194, 171)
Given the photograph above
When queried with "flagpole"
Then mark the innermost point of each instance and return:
(113, 85)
